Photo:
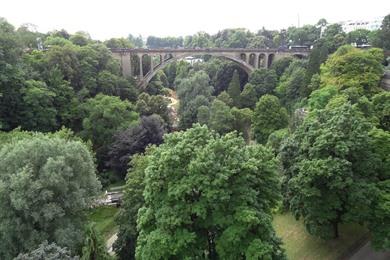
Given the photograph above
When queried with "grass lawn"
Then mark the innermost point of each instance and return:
(104, 219)
(300, 245)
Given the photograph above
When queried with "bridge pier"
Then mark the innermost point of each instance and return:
(141, 72)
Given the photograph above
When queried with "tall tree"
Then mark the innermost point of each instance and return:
(103, 117)
(248, 97)
(221, 118)
(268, 116)
(134, 140)
(46, 184)
(234, 89)
(363, 72)
(193, 93)
(205, 198)
(94, 246)
(133, 200)
(334, 174)
(264, 81)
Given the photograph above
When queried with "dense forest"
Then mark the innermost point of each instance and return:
(204, 175)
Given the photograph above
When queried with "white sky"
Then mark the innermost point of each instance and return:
(104, 19)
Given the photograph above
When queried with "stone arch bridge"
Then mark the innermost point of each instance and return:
(132, 61)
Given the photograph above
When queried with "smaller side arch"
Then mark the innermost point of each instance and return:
(270, 59)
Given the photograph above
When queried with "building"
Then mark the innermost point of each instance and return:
(371, 25)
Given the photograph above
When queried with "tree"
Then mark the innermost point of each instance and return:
(133, 200)
(248, 97)
(12, 79)
(268, 116)
(335, 174)
(203, 115)
(148, 105)
(46, 184)
(381, 103)
(276, 139)
(384, 34)
(104, 116)
(379, 221)
(80, 38)
(221, 118)
(279, 66)
(38, 112)
(193, 93)
(242, 119)
(94, 246)
(350, 67)
(225, 98)
(317, 56)
(234, 89)
(264, 81)
(205, 198)
(293, 85)
(47, 251)
(134, 140)
(358, 37)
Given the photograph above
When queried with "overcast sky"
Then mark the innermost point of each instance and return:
(104, 19)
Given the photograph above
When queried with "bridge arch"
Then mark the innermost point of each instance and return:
(153, 71)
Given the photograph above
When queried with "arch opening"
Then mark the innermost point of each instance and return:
(252, 60)
(148, 76)
(261, 61)
(270, 59)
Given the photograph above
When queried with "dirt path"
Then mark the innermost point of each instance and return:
(173, 106)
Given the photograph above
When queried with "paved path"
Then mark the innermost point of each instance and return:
(367, 253)
(110, 242)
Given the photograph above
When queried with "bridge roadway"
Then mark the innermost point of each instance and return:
(134, 61)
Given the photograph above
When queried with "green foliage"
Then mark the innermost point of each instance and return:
(221, 118)
(225, 98)
(234, 89)
(45, 186)
(276, 139)
(320, 97)
(133, 200)
(381, 103)
(248, 97)
(358, 37)
(203, 115)
(205, 198)
(148, 105)
(94, 246)
(264, 81)
(350, 67)
(268, 116)
(104, 219)
(279, 66)
(105, 115)
(293, 85)
(382, 39)
(332, 172)
(193, 93)
(48, 252)
(242, 121)
(38, 111)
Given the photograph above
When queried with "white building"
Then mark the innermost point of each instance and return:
(351, 25)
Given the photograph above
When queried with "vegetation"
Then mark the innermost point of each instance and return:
(104, 220)
(301, 245)
(191, 182)
(208, 152)
(46, 184)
